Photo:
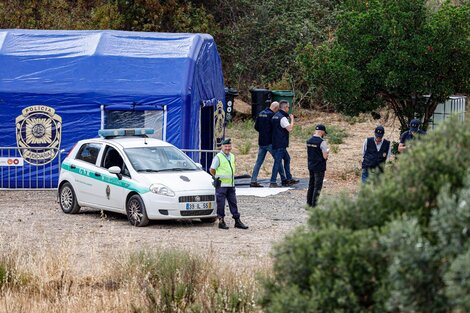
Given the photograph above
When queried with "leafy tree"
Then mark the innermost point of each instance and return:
(258, 39)
(397, 52)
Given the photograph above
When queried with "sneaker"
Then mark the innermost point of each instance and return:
(286, 183)
(273, 185)
(255, 184)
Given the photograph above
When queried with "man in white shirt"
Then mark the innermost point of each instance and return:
(375, 151)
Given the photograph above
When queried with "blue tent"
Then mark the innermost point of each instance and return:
(57, 87)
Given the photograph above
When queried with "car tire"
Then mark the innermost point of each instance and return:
(136, 213)
(68, 199)
(209, 220)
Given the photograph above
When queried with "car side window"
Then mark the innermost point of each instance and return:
(89, 152)
(112, 157)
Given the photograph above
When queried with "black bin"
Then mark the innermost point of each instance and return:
(230, 94)
(260, 99)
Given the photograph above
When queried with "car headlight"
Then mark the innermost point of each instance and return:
(162, 190)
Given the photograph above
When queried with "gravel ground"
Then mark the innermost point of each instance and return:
(33, 220)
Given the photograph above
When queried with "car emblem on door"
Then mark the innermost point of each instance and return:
(108, 191)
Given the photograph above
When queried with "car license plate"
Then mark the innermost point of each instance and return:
(199, 206)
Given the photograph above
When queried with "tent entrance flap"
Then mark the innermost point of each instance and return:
(135, 116)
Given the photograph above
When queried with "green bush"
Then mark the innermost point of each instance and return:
(336, 135)
(458, 283)
(326, 270)
(413, 282)
(391, 247)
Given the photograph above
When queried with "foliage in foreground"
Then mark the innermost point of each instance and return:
(399, 245)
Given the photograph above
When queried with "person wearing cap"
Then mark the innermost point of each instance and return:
(281, 129)
(317, 155)
(410, 134)
(265, 133)
(223, 170)
(375, 151)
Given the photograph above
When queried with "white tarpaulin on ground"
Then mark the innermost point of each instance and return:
(260, 192)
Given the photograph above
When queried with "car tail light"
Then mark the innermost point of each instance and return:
(71, 150)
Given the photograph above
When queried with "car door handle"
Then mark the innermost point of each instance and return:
(97, 174)
(73, 166)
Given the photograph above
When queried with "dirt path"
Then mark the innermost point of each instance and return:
(33, 220)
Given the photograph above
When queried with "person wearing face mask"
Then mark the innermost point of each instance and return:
(317, 152)
(375, 152)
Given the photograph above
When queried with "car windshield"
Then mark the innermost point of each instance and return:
(159, 159)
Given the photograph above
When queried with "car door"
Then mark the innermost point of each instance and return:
(84, 168)
(111, 189)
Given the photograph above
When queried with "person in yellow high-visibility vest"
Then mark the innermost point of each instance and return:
(223, 171)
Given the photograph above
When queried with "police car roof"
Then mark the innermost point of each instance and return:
(135, 142)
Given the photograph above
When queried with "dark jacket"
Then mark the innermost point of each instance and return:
(408, 135)
(280, 135)
(264, 127)
(372, 157)
(316, 161)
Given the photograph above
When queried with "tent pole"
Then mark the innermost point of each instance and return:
(102, 116)
(164, 122)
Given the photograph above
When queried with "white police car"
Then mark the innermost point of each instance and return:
(145, 178)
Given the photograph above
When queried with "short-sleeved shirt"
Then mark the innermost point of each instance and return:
(323, 145)
(216, 162)
(284, 122)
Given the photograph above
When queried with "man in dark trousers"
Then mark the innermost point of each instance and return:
(281, 129)
(264, 128)
(317, 152)
(375, 151)
(410, 134)
(223, 169)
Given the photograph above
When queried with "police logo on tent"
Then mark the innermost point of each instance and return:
(219, 122)
(38, 134)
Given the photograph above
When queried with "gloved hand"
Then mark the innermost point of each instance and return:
(217, 182)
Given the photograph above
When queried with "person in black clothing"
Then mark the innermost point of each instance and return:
(281, 129)
(317, 153)
(264, 128)
(410, 134)
(375, 151)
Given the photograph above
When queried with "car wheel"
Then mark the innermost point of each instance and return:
(136, 213)
(68, 200)
(209, 220)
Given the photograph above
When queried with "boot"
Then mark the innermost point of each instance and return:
(222, 224)
(239, 224)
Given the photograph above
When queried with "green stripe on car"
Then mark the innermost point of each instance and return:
(108, 179)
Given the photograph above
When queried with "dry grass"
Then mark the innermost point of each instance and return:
(46, 280)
